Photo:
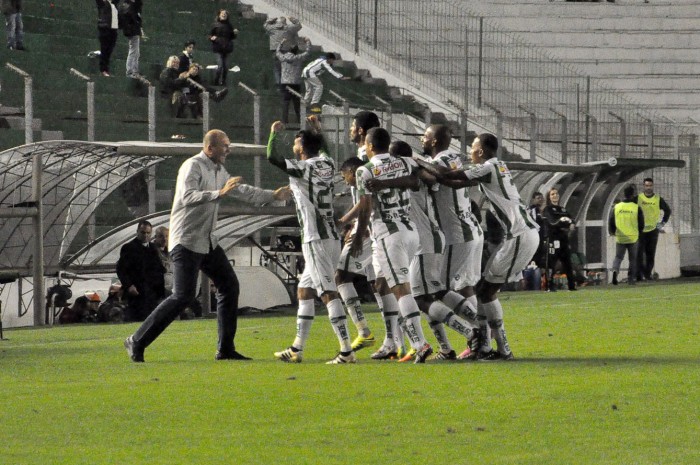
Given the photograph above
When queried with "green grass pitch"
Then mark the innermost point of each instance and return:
(602, 376)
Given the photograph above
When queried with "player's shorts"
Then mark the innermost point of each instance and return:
(511, 257)
(320, 260)
(426, 274)
(393, 256)
(461, 266)
(357, 265)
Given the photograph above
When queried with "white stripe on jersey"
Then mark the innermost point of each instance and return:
(391, 208)
(317, 67)
(362, 155)
(454, 206)
(496, 182)
(311, 182)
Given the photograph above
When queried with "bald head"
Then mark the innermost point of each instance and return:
(216, 146)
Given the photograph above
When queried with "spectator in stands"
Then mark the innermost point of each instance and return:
(222, 36)
(107, 25)
(141, 273)
(172, 83)
(12, 9)
(187, 57)
(625, 223)
(292, 65)
(131, 24)
(314, 86)
(280, 29)
(652, 205)
(559, 225)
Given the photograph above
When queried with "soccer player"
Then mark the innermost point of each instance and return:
(311, 181)
(393, 233)
(514, 253)
(464, 238)
(392, 347)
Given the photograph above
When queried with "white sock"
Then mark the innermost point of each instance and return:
(390, 312)
(339, 323)
(378, 298)
(411, 314)
(305, 316)
(439, 331)
(483, 328)
(494, 313)
(352, 304)
(461, 305)
(441, 312)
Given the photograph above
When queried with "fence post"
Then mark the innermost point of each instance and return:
(388, 120)
(623, 133)
(346, 123)
(151, 114)
(256, 132)
(90, 103)
(28, 103)
(564, 136)
(357, 26)
(533, 133)
(481, 61)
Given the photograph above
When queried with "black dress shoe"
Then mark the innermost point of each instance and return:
(231, 356)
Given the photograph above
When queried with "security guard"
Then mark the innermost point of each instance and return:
(652, 205)
(625, 223)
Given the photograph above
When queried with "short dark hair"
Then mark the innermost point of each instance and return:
(651, 180)
(366, 120)
(629, 191)
(351, 163)
(489, 143)
(190, 42)
(399, 148)
(330, 56)
(144, 223)
(311, 142)
(443, 136)
(379, 138)
(536, 194)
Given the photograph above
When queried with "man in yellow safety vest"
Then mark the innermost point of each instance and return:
(652, 205)
(625, 223)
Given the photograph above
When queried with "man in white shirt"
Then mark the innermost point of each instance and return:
(201, 182)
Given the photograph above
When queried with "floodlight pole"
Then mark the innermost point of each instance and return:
(90, 103)
(28, 103)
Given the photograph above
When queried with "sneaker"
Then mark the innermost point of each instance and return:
(361, 342)
(409, 356)
(233, 355)
(135, 352)
(106, 74)
(614, 278)
(423, 353)
(465, 354)
(495, 356)
(385, 353)
(443, 356)
(289, 355)
(341, 359)
(401, 353)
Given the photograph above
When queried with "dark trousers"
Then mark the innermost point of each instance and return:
(563, 255)
(288, 97)
(186, 264)
(221, 69)
(646, 253)
(108, 40)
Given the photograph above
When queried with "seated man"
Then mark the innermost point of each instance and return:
(172, 83)
(141, 273)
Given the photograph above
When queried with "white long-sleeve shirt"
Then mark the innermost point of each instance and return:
(317, 67)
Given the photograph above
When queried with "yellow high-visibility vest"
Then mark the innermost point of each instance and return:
(627, 228)
(651, 208)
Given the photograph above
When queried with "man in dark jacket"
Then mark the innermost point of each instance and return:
(107, 25)
(141, 273)
(12, 9)
(130, 23)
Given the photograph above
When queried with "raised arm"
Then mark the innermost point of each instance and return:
(273, 155)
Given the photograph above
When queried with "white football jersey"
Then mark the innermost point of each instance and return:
(496, 182)
(391, 208)
(311, 182)
(424, 215)
(454, 206)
